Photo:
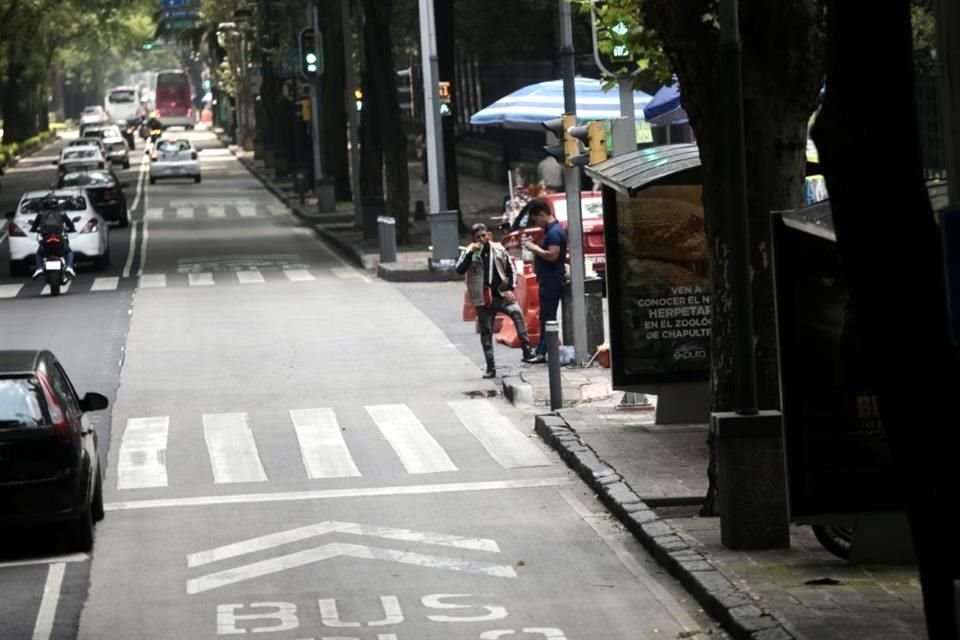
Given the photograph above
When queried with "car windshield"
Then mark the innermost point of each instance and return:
(80, 153)
(89, 111)
(84, 142)
(591, 207)
(123, 96)
(87, 179)
(173, 145)
(110, 132)
(20, 403)
(69, 203)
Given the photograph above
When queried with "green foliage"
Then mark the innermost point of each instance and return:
(924, 27)
(10, 151)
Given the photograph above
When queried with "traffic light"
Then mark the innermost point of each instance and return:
(311, 53)
(568, 146)
(593, 136)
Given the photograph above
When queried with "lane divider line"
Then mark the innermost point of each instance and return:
(43, 629)
(133, 224)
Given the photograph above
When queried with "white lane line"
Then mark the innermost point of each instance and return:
(337, 494)
(250, 277)
(340, 549)
(269, 541)
(502, 440)
(185, 212)
(133, 227)
(247, 211)
(298, 275)
(69, 557)
(140, 179)
(144, 233)
(106, 283)
(63, 288)
(204, 279)
(324, 451)
(277, 209)
(3, 237)
(216, 212)
(416, 448)
(600, 523)
(43, 628)
(233, 451)
(143, 453)
(153, 281)
(10, 290)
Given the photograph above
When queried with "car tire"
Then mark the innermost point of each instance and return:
(126, 165)
(124, 220)
(153, 180)
(18, 268)
(80, 531)
(196, 178)
(96, 504)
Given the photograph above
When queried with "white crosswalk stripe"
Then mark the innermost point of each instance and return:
(277, 209)
(63, 288)
(233, 451)
(246, 211)
(204, 279)
(154, 213)
(153, 281)
(298, 275)
(185, 212)
(324, 451)
(416, 448)
(320, 440)
(216, 212)
(143, 462)
(10, 290)
(109, 283)
(250, 277)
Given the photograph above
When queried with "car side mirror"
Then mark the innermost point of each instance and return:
(94, 402)
(504, 226)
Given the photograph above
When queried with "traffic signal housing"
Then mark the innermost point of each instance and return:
(593, 136)
(568, 147)
(311, 53)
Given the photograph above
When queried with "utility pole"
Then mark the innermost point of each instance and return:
(571, 181)
(323, 187)
(436, 171)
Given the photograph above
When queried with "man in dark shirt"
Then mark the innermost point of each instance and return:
(549, 260)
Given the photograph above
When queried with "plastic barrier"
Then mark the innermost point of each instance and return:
(469, 312)
(528, 297)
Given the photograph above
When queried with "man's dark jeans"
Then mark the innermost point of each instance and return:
(486, 314)
(64, 250)
(550, 294)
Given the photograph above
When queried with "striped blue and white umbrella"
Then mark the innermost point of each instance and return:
(528, 107)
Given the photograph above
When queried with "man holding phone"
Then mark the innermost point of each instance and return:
(549, 264)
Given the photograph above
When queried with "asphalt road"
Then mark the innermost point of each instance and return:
(298, 451)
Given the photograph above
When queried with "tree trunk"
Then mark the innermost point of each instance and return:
(380, 70)
(889, 244)
(16, 113)
(335, 156)
(782, 45)
(371, 145)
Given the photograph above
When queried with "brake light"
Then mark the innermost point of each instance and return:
(91, 226)
(15, 231)
(61, 428)
(189, 111)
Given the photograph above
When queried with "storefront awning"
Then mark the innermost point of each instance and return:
(665, 164)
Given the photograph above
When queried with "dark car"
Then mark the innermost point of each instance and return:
(49, 466)
(105, 190)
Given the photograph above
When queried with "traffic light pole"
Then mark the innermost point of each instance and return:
(571, 181)
(315, 95)
(436, 171)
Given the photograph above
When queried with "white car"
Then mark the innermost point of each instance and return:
(91, 116)
(113, 142)
(81, 158)
(174, 159)
(90, 242)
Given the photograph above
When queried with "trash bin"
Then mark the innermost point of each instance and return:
(445, 237)
(373, 207)
(593, 292)
(387, 237)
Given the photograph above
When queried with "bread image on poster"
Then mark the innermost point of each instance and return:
(666, 299)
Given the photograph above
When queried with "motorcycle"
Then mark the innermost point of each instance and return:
(130, 130)
(54, 263)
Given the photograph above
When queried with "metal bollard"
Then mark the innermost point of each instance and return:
(387, 236)
(553, 365)
(300, 185)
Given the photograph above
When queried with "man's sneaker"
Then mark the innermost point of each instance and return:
(37, 274)
(71, 272)
(538, 359)
(529, 355)
(490, 373)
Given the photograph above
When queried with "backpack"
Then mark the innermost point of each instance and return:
(51, 223)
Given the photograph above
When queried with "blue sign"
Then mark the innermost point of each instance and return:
(174, 3)
(179, 13)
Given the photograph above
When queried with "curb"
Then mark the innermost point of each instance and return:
(393, 272)
(734, 609)
(26, 154)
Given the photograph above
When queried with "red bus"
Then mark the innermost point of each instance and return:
(173, 99)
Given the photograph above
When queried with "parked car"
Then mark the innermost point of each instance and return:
(174, 159)
(81, 159)
(114, 143)
(105, 191)
(90, 242)
(49, 459)
(522, 229)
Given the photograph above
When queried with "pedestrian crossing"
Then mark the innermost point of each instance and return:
(320, 439)
(245, 277)
(209, 211)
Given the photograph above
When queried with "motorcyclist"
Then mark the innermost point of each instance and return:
(156, 130)
(52, 220)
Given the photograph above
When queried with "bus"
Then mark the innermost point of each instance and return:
(173, 99)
